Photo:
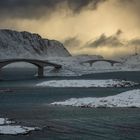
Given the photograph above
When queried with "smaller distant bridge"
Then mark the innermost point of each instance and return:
(40, 64)
(91, 62)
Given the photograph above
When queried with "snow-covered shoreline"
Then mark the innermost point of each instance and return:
(75, 66)
(87, 83)
(125, 99)
(8, 127)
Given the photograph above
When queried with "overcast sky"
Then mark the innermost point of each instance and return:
(106, 27)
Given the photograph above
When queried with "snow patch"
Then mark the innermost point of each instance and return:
(8, 128)
(87, 83)
(14, 130)
(4, 121)
(125, 99)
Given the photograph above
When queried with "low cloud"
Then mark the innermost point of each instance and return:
(108, 46)
(134, 42)
(71, 42)
(103, 40)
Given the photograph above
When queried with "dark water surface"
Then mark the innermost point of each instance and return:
(29, 106)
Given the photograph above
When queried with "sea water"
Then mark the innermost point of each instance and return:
(30, 106)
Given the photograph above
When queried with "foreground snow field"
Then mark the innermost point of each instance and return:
(8, 127)
(125, 99)
(87, 83)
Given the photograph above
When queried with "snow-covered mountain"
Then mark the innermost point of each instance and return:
(15, 44)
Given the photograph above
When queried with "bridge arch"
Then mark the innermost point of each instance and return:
(91, 62)
(40, 64)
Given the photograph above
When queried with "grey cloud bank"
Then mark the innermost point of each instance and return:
(38, 8)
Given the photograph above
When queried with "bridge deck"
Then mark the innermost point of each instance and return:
(39, 63)
(112, 62)
(32, 61)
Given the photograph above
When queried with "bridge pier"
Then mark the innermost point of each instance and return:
(112, 64)
(90, 63)
(40, 71)
(40, 64)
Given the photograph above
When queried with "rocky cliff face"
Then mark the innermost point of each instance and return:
(15, 44)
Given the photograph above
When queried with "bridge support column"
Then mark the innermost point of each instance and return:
(90, 63)
(0, 72)
(40, 72)
(112, 64)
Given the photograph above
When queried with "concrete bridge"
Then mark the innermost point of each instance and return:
(90, 62)
(40, 64)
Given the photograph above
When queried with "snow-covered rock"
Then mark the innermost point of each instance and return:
(4, 121)
(15, 129)
(15, 44)
(8, 127)
(87, 83)
(125, 99)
